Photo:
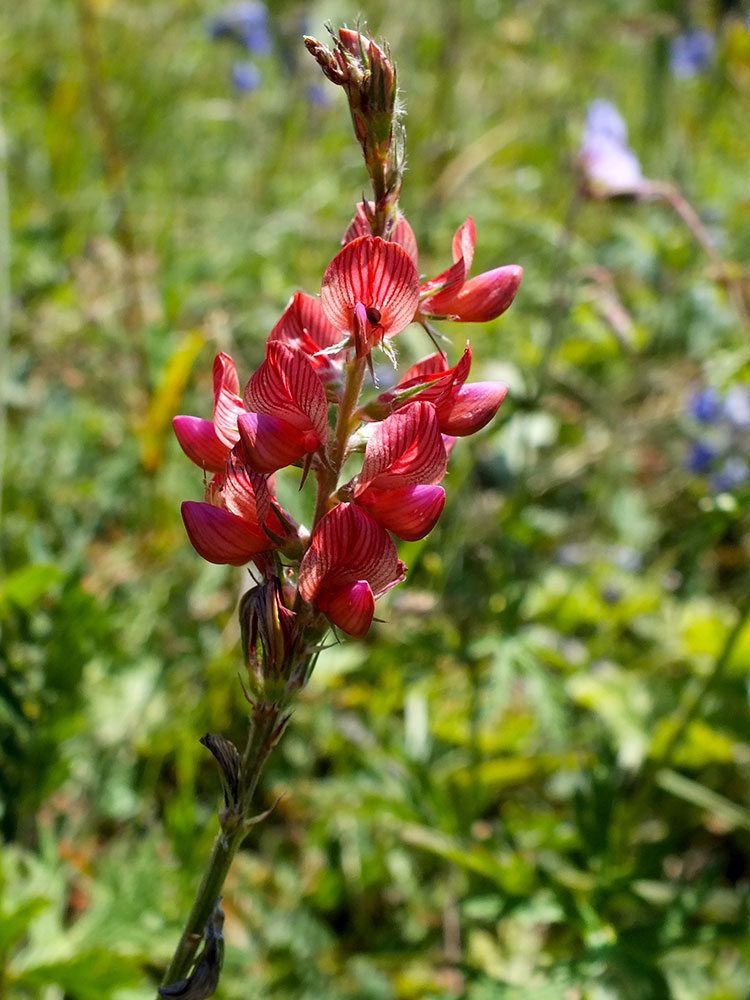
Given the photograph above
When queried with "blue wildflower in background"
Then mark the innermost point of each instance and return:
(246, 77)
(702, 456)
(737, 407)
(722, 457)
(705, 405)
(733, 472)
(692, 53)
(609, 166)
(245, 23)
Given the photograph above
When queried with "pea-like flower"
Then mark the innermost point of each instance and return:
(351, 561)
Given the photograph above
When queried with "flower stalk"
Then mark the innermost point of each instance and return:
(317, 359)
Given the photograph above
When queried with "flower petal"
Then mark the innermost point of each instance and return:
(351, 608)
(246, 494)
(225, 374)
(487, 296)
(198, 440)
(270, 443)
(410, 512)
(464, 240)
(471, 407)
(380, 276)
(402, 234)
(220, 536)
(349, 545)
(404, 449)
(286, 386)
(303, 323)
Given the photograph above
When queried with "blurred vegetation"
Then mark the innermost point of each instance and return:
(532, 780)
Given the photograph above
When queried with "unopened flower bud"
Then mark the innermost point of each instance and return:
(365, 71)
(268, 630)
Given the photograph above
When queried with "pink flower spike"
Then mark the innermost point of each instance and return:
(471, 407)
(375, 274)
(351, 608)
(220, 536)
(405, 449)
(487, 296)
(402, 233)
(287, 387)
(410, 512)
(270, 443)
(198, 440)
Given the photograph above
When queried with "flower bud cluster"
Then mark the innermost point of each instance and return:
(302, 408)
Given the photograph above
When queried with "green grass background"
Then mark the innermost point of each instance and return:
(530, 782)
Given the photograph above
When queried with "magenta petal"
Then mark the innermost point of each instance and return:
(198, 440)
(221, 537)
(488, 295)
(350, 607)
(471, 407)
(270, 443)
(410, 512)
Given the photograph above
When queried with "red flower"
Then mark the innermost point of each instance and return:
(208, 442)
(228, 529)
(351, 561)
(288, 410)
(477, 300)
(461, 409)
(404, 459)
(303, 325)
(370, 290)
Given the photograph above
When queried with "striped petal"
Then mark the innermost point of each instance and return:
(303, 324)
(405, 449)
(287, 386)
(464, 240)
(225, 374)
(402, 234)
(200, 443)
(349, 545)
(471, 407)
(410, 512)
(270, 443)
(246, 494)
(220, 536)
(380, 276)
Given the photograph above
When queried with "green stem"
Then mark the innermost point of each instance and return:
(4, 302)
(264, 731)
(328, 477)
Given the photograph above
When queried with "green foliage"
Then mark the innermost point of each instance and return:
(531, 780)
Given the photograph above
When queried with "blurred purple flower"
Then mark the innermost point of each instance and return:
(320, 95)
(733, 473)
(737, 406)
(246, 77)
(701, 457)
(609, 165)
(691, 53)
(245, 22)
(705, 405)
